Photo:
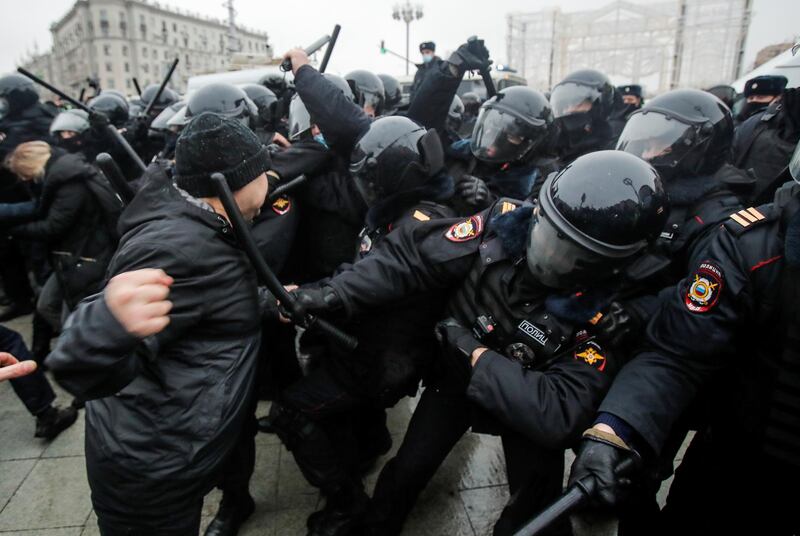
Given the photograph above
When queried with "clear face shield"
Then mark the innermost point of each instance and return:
(299, 119)
(660, 140)
(499, 136)
(570, 98)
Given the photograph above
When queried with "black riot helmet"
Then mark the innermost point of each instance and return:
(119, 94)
(392, 92)
(17, 94)
(455, 115)
(684, 132)
(224, 99)
(511, 125)
(472, 103)
(299, 120)
(369, 91)
(276, 83)
(594, 217)
(265, 101)
(585, 91)
(395, 155)
(161, 122)
(70, 130)
(112, 106)
(166, 98)
(724, 93)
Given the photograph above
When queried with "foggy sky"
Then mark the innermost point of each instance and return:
(365, 23)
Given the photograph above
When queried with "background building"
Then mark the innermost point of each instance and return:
(114, 41)
(661, 45)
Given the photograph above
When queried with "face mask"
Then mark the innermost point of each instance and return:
(427, 58)
(751, 108)
(319, 138)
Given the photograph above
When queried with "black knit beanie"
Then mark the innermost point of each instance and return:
(213, 143)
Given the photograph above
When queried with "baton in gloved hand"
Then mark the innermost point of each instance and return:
(576, 496)
(327, 57)
(109, 128)
(289, 186)
(286, 65)
(115, 177)
(298, 315)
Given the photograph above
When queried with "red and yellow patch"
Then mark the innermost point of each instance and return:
(282, 205)
(592, 355)
(465, 230)
(704, 289)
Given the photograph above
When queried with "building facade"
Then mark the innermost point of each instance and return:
(661, 45)
(114, 41)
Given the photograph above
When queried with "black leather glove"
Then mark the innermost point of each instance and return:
(618, 324)
(473, 190)
(458, 343)
(98, 120)
(605, 466)
(471, 56)
(317, 300)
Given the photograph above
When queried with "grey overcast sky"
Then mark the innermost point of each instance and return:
(25, 23)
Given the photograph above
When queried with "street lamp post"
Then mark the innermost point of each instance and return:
(407, 13)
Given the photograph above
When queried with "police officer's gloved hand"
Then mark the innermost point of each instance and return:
(318, 300)
(471, 56)
(98, 120)
(618, 324)
(606, 466)
(459, 344)
(473, 190)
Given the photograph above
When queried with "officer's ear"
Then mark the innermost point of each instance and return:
(432, 152)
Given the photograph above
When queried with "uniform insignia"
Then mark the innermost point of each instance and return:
(704, 288)
(465, 230)
(507, 207)
(533, 331)
(282, 205)
(747, 217)
(421, 216)
(592, 354)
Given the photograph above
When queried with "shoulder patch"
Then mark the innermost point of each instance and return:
(747, 217)
(507, 207)
(705, 286)
(421, 216)
(465, 230)
(282, 205)
(592, 354)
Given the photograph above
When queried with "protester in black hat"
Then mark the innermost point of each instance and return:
(166, 354)
(430, 61)
(759, 92)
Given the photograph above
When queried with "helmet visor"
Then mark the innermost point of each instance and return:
(299, 119)
(377, 169)
(162, 119)
(70, 121)
(3, 107)
(561, 263)
(794, 164)
(372, 103)
(570, 98)
(660, 140)
(500, 136)
(178, 119)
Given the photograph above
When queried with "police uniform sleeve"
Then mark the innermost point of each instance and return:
(694, 333)
(433, 97)
(415, 258)
(341, 121)
(551, 407)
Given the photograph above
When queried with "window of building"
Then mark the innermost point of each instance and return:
(110, 83)
(144, 52)
(127, 67)
(146, 68)
(174, 27)
(125, 50)
(128, 84)
(166, 54)
(107, 50)
(109, 67)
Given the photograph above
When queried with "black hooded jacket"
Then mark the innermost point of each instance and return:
(164, 412)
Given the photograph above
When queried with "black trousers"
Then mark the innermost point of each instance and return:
(441, 418)
(722, 488)
(33, 390)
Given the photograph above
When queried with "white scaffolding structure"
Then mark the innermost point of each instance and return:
(661, 44)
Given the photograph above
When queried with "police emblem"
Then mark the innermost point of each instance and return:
(465, 230)
(366, 244)
(591, 353)
(704, 288)
(282, 205)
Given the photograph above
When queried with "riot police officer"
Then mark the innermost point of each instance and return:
(393, 95)
(369, 91)
(520, 357)
(582, 104)
(730, 329)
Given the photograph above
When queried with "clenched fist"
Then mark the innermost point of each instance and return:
(298, 57)
(138, 300)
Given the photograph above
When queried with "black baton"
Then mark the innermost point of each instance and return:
(327, 57)
(576, 496)
(160, 88)
(289, 186)
(112, 172)
(286, 65)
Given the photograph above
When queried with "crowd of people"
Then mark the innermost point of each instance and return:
(577, 269)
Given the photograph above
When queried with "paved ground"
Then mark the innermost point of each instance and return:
(43, 488)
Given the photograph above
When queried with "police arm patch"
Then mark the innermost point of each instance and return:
(282, 205)
(592, 354)
(705, 286)
(465, 230)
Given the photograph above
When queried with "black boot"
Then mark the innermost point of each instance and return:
(341, 516)
(15, 310)
(232, 513)
(54, 420)
(265, 425)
